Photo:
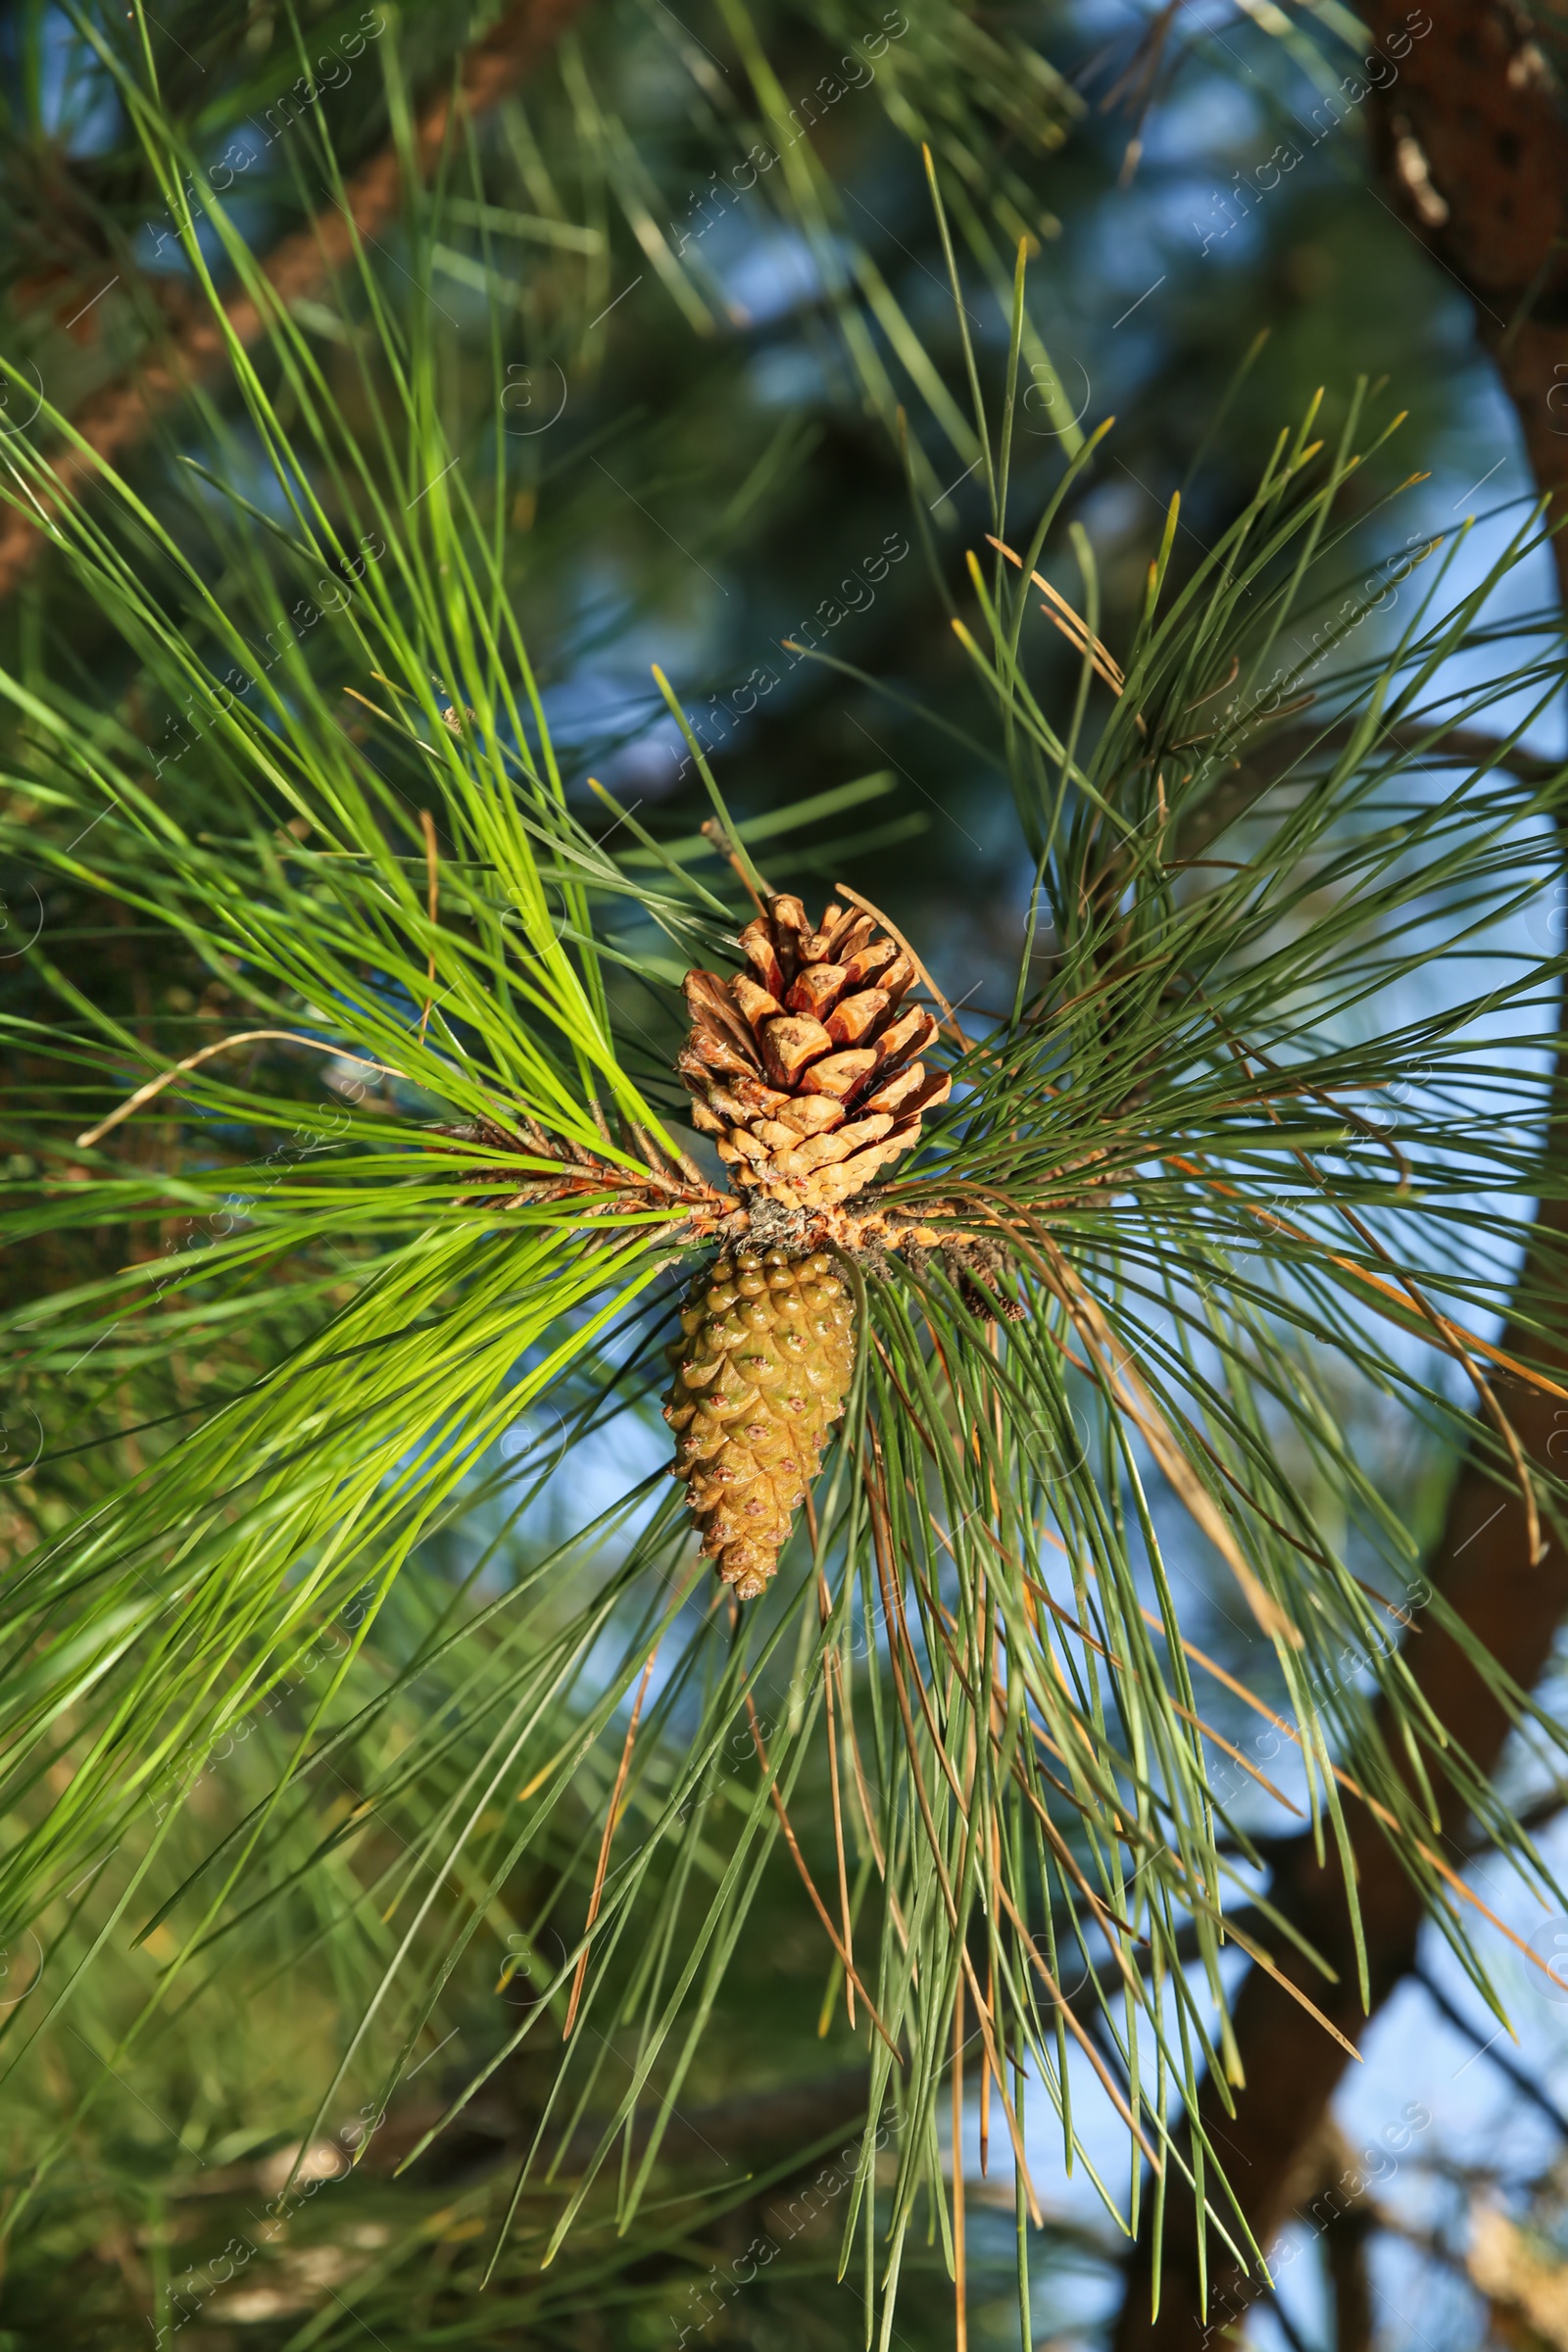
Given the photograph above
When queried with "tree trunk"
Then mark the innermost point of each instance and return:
(1470, 140)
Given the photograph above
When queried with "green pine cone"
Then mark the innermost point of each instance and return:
(762, 1376)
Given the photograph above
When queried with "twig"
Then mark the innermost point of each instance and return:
(722, 841)
(1128, 1390)
(809, 1882)
(991, 1985)
(612, 1817)
(960, 2282)
(1518, 2075)
(427, 822)
(829, 1665)
(1084, 2041)
(1379, 1812)
(893, 1602)
(245, 1037)
(1186, 1713)
(1073, 626)
(1387, 1290)
(116, 419)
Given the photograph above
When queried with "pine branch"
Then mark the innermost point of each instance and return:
(117, 415)
(1197, 1041)
(1471, 144)
(1279, 754)
(1525, 2082)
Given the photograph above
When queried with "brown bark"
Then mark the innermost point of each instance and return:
(114, 418)
(1471, 140)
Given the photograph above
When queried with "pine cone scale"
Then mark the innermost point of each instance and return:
(853, 1016)
(757, 1004)
(839, 1073)
(790, 1043)
(820, 984)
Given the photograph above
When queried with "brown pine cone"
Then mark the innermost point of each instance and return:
(762, 1376)
(805, 1068)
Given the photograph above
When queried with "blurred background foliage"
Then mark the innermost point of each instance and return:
(693, 462)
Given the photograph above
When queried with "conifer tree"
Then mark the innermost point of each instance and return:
(609, 1481)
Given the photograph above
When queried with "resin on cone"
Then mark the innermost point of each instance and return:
(761, 1375)
(806, 1069)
